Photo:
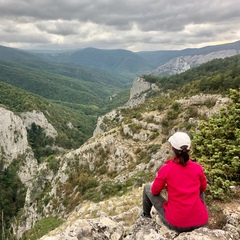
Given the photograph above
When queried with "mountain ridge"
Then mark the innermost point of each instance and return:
(140, 62)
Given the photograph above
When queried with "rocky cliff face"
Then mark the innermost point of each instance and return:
(13, 136)
(140, 90)
(183, 63)
(13, 132)
(14, 145)
(138, 94)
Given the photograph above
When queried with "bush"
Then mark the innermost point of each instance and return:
(217, 148)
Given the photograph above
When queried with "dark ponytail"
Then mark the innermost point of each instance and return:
(182, 155)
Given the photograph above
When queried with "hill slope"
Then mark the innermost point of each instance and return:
(81, 85)
(117, 60)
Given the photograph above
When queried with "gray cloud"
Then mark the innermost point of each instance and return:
(130, 24)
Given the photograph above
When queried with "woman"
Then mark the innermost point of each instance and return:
(185, 182)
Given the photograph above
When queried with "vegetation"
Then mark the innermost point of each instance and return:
(42, 227)
(40, 143)
(216, 76)
(217, 149)
(12, 196)
(61, 82)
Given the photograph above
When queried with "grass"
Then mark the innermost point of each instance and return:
(42, 227)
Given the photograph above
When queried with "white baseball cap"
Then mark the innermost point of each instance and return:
(180, 139)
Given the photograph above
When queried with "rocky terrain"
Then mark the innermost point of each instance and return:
(127, 143)
(115, 219)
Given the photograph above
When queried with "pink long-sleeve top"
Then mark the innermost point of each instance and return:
(184, 207)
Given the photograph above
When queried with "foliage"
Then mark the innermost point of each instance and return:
(42, 227)
(81, 183)
(12, 196)
(75, 84)
(217, 148)
(38, 140)
(110, 188)
(53, 163)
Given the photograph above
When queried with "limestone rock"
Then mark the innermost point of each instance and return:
(13, 136)
(143, 229)
(39, 119)
(154, 229)
(139, 91)
(91, 229)
(183, 63)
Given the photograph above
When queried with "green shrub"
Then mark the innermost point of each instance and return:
(210, 103)
(153, 148)
(172, 114)
(217, 148)
(176, 106)
(135, 128)
(42, 227)
(191, 112)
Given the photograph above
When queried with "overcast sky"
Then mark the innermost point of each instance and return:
(136, 25)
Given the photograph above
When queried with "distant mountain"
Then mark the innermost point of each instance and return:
(158, 58)
(165, 62)
(183, 63)
(117, 60)
(175, 62)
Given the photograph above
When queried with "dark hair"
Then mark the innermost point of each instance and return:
(182, 155)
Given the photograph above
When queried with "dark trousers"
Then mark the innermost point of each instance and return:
(150, 200)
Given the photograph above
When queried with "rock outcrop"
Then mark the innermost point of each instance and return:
(39, 119)
(143, 229)
(139, 91)
(14, 145)
(13, 135)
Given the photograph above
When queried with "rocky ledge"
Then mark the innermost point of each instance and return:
(143, 229)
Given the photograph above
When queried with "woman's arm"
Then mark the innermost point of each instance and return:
(159, 182)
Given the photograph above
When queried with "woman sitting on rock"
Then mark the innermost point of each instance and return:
(185, 182)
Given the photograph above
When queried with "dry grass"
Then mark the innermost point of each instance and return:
(218, 212)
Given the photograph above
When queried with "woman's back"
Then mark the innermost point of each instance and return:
(184, 207)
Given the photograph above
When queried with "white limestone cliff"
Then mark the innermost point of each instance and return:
(138, 94)
(139, 91)
(39, 119)
(183, 63)
(13, 135)
(14, 145)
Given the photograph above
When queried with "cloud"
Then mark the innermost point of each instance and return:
(130, 24)
(59, 27)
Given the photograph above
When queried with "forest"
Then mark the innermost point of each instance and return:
(216, 76)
